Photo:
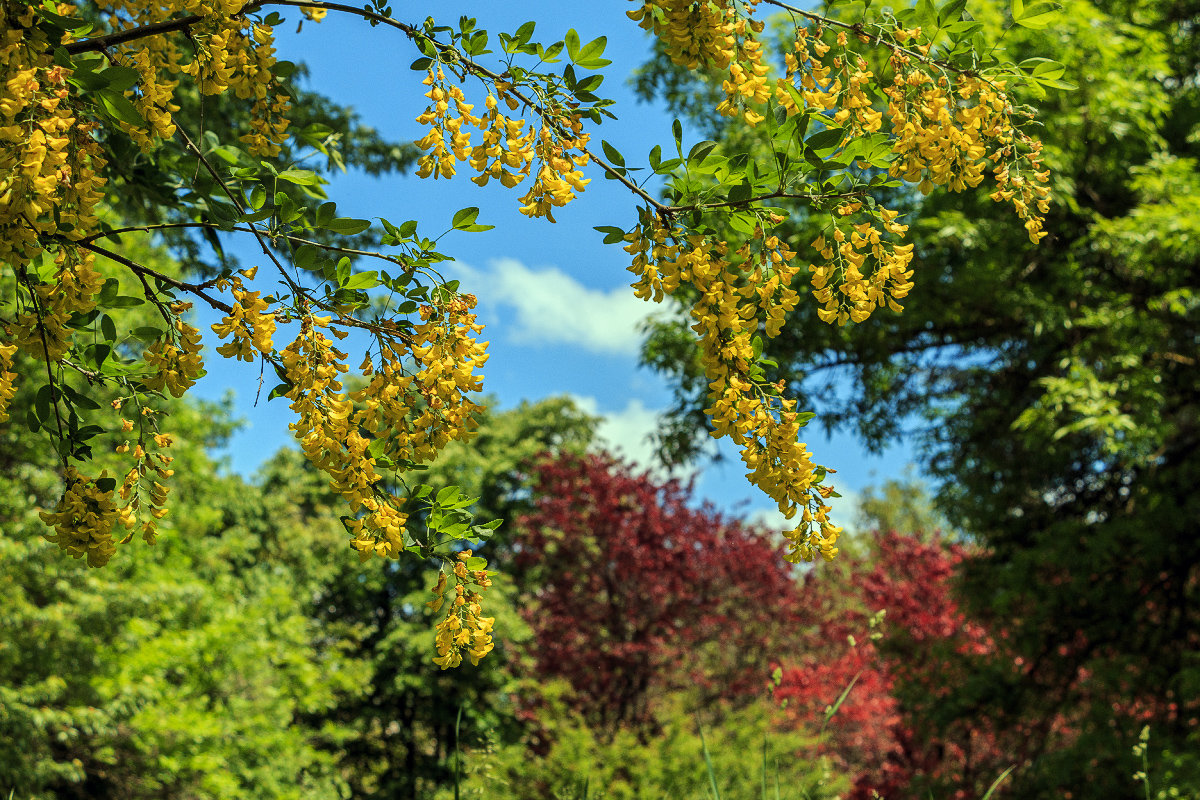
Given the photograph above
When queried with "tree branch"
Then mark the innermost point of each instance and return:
(142, 272)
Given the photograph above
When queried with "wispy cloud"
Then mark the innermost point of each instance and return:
(548, 305)
(626, 432)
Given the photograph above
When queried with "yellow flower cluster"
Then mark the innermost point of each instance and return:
(48, 188)
(174, 362)
(250, 322)
(48, 161)
(7, 379)
(441, 159)
(947, 132)
(42, 330)
(711, 35)
(332, 442)
(506, 152)
(698, 35)
(156, 101)
(226, 52)
(844, 285)
(510, 148)
(152, 468)
(732, 294)
(413, 416)
(420, 414)
(464, 627)
(84, 518)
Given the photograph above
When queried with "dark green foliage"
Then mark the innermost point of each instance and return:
(184, 670)
(1061, 396)
(399, 735)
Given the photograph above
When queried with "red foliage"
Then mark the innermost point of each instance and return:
(639, 591)
(924, 641)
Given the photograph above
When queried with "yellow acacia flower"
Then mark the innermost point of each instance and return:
(250, 324)
(84, 518)
(464, 627)
(7, 379)
(174, 367)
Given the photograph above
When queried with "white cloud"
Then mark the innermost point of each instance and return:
(626, 432)
(552, 307)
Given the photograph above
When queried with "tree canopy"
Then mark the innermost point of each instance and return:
(106, 143)
(1055, 390)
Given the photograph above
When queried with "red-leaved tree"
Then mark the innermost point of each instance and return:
(640, 592)
(901, 667)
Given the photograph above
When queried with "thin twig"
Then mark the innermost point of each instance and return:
(41, 326)
(143, 271)
(350, 251)
(779, 195)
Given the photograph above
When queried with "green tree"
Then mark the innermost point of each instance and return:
(900, 504)
(400, 736)
(187, 671)
(746, 749)
(112, 97)
(1060, 388)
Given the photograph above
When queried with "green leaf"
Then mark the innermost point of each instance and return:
(301, 177)
(86, 79)
(90, 432)
(951, 12)
(1037, 16)
(362, 280)
(464, 217)
(342, 271)
(572, 42)
(700, 151)
(741, 192)
(926, 16)
(464, 220)
(612, 234)
(125, 301)
(76, 26)
(590, 55)
(996, 783)
(612, 154)
(833, 709)
(347, 226)
(100, 353)
(280, 390)
(79, 399)
(120, 78)
(42, 402)
(146, 333)
(1043, 68)
(117, 106)
(824, 140)
(525, 32)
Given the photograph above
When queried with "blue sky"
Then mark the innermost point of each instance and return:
(560, 315)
